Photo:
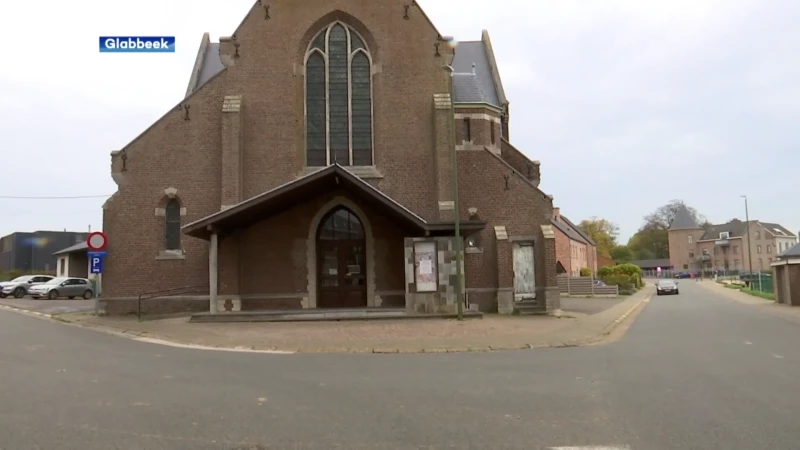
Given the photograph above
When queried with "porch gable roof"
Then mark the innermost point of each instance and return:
(286, 196)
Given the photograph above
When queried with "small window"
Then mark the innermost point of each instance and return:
(173, 225)
(705, 252)
(758, 249)
(691, 255)
(716, 250)
(769, 249)
(735, 249)
(724, 235)
(758, 235)
(467, 130)
(492, 132)
(691, 239)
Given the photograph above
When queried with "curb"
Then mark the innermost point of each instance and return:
(26, 311)
(141, 337)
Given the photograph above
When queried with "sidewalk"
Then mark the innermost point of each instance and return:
(493, 332)
(769, 306)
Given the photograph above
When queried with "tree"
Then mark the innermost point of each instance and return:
(662, 217)
(603, 232)
(652, 239)
(621, 254)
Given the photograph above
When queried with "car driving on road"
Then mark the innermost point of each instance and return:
(667, 287)
(63, 287)
(18, 287)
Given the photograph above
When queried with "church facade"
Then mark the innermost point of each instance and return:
(323, 157)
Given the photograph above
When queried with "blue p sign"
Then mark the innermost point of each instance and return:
(96, 261)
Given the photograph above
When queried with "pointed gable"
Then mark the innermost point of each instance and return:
(683, 220)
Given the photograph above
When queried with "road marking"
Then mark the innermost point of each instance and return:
(591, 447)
(748, 343)
(777, 356)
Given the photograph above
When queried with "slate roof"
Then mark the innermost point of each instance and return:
(793, 252)
(80, 246)
(777, 229)
(683, 220)
(472, 73)
(568, 230)
(471, 58)
(580, 231)
(735, 228)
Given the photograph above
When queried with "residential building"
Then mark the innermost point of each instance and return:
(726, 246)
(312, 165)
(575, 249)
(33, 251)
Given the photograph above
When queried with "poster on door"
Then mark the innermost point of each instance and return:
(425, 266)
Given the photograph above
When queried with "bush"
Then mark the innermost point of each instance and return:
(627, 274)
(624, 282)
(586, 272)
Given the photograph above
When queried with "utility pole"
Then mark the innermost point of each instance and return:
(456, 208)
(749, 247)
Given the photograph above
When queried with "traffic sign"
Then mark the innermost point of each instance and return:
(97, 241)
(96, 261)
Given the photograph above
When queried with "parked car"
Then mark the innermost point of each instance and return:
(19, 287)
(63, 287)
(683, 275)
(667, 287)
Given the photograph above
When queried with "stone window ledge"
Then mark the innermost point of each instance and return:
(367, 172)
(473, 250)
(167, 255)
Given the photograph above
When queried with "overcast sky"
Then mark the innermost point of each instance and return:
(627, 103)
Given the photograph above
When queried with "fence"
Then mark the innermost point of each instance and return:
(583, 286)
(763, 284)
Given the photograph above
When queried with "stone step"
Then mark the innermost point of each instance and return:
(530, 307)
(312, 315)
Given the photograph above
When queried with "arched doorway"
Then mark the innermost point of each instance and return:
(341, 261)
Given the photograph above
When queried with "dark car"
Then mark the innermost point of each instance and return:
(683, 275)
(667, 287)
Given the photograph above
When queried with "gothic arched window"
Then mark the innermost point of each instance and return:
(338, 99)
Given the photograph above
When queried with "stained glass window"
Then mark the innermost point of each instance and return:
(338, 99)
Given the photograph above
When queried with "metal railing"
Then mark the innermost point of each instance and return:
(167, 293)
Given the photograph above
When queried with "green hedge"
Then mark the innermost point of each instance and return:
(626, 276)
(586, 272)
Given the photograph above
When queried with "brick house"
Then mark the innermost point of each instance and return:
(311, 165)
(575, 249)
(725, 246)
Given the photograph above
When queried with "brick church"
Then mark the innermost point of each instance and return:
(313, 163)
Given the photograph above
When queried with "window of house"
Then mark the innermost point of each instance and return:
(735, 249)
(172, 216)
(769, 249)
(716, 250)
(736, 264)
(503, 126)
(724, 235)
(705, 252)
(338, 99)
(758, 249)
(691, 239)
(691, 255)
(758, 235)
(492, 132)
(467, 130)
(62, 266)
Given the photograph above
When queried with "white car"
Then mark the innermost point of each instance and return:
(63, 287)
(18, 287)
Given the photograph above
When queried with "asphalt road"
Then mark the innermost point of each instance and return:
(694, 371)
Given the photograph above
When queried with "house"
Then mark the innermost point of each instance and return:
(726, 246)
(787, 276)
(313, 164)
(73, 261)
(575, 250)
(33, 251)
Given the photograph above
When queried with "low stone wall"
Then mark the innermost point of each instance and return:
(127, 306)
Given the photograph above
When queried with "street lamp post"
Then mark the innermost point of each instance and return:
(749, 247)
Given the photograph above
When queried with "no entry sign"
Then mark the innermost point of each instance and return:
(97, 241)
